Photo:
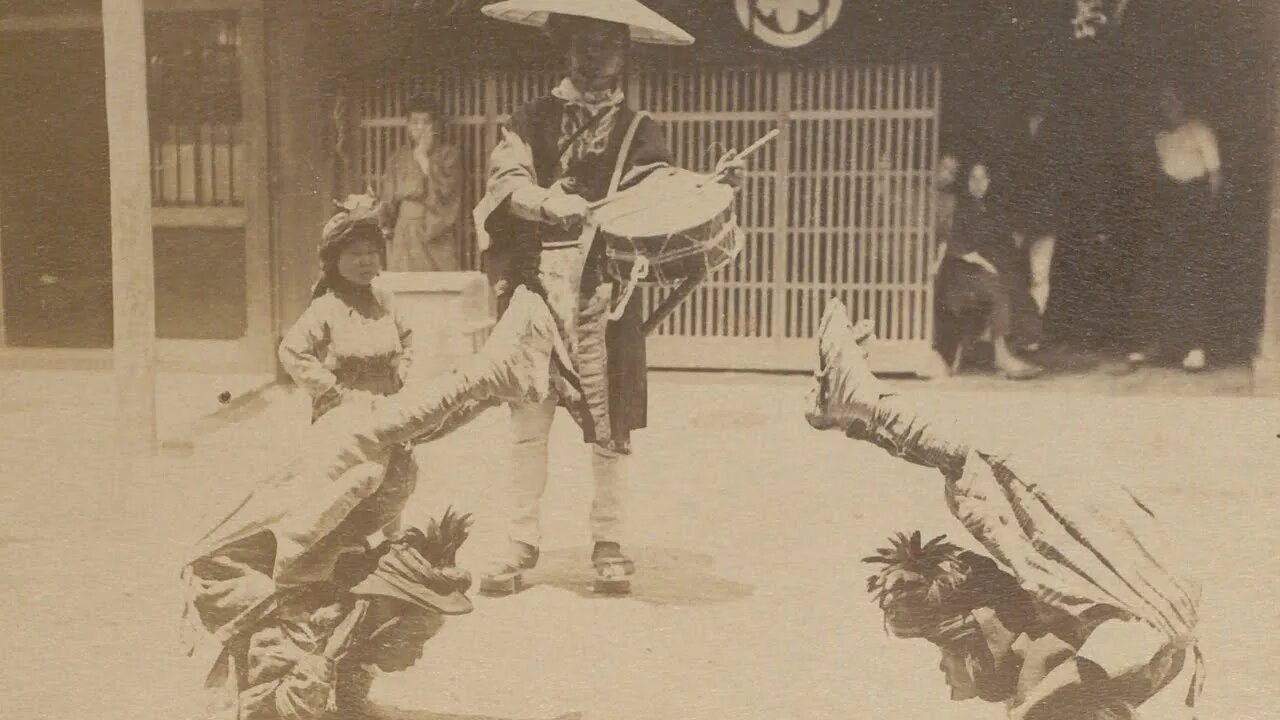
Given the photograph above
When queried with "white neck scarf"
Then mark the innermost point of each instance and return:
(599, 108)
(591, 101)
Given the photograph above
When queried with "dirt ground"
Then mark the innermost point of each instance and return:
(747, 527)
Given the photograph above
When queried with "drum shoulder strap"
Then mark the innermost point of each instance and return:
(625, 150)
(592, 230)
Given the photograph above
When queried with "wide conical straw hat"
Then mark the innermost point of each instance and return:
(646, 25)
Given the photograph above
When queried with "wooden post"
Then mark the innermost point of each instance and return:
(1266, 369)
(302, 186)
(132, 258)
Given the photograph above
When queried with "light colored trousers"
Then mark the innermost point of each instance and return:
(530, 429)
(1041, 256)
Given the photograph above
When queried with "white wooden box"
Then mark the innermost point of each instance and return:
(451, 313)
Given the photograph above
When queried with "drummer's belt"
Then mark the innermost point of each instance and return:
(555, 238)
(558, 243)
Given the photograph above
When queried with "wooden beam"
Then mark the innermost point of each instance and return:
(132, 256)
(222, 218)
(4, 342)
(1266, 369)
(186, 6)
(88, 20)
(49, 23)
(262, 330)
(302, 189)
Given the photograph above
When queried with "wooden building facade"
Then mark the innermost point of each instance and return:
(263, 112)
(836, 207)
(211, 200)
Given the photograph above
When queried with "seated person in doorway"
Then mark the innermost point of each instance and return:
(982, 271)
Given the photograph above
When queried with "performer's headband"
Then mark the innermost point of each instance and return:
(959, 630)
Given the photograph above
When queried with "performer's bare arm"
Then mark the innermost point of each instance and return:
(1065, 679)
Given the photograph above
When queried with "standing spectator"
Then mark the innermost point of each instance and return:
(981, 271)
(421, 196)
(1175, 260)
(350, 339)
(1035, 178)
(946, 195)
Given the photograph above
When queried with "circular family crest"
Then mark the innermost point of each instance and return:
(788, 23)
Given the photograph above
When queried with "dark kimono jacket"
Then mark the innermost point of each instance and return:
(606, 389)
(983, 228)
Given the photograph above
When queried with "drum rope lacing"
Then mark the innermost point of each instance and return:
(638, 272)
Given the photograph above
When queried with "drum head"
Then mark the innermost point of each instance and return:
(667, 202)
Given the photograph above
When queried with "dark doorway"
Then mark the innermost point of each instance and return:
(55, 200)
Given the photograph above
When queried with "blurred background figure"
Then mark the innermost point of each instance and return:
(1177, 254)
(946, 195)
(421, 195)
(1033, 202)
(982, 273)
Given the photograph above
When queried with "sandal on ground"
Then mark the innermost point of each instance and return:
(1025, 372)
(613, 569)
(506, 575)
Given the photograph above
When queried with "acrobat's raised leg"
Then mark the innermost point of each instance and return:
(847, 397)
(513, 366)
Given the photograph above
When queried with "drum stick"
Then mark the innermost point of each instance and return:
(751, 150)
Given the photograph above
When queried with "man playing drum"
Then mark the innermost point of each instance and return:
(559, 154)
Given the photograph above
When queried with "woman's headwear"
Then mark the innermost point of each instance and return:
(357, 212)
(646, 25)
(357, 218)
(418, 568)
(928, 590)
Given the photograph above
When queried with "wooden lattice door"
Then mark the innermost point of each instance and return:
(838, 206)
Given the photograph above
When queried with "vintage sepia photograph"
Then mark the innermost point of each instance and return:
(639, 359)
